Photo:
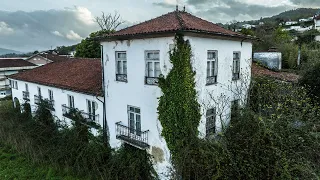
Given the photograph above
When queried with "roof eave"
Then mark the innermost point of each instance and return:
(172, 33)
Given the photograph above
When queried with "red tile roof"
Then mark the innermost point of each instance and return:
(173, 22)
(284, 76)
(79, 74)
(6, 63)
(54, 58)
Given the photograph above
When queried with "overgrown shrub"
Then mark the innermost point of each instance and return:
(73, 149)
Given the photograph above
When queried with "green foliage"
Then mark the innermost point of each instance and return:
(15, 166)
(280, 36)
(311, 80)
(65, 49)
(90, 47)
(247, 32)
(289, 55)
(74, 150)
(179, 111)
(307, 37)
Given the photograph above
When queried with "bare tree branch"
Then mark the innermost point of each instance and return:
(109, 22)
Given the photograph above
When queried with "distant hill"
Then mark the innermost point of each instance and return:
(293, 15)
(8, 51)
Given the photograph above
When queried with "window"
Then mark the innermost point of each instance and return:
(210, 122)
(50, 95)
(134, 120)
(121, 66)
(236, 66)
(16, 85)
(212, 67)
(39, 91)
(91, 109)
(10, 83)
(27, 87)
(71, 101)
(152, 67)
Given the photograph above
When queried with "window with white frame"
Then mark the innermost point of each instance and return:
(16, 85)
(210, 122)
(121, 66)
(91, 107)
(236, 66)
(70, 101)
(50, 92)
(27, 87)
(39, 91)
(212, 67)
(152, 67)
(134, 115)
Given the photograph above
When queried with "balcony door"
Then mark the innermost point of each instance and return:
(134, 120)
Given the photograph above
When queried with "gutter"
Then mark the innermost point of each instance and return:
(105, 125)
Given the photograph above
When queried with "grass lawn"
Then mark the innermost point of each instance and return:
(16, 167)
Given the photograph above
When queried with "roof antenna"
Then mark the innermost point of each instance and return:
(177, 8)
(184, 8)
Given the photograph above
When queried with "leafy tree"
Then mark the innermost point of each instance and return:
(90, 47)
(247, 32)
(280, 36)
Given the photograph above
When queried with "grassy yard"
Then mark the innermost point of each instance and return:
(16, 167)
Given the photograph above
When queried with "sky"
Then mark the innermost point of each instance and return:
(29, 25)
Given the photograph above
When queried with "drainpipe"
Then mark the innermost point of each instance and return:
(104, 128)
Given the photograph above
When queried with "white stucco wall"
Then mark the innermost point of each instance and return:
(317, 24)
(135, 93)
(60, 97)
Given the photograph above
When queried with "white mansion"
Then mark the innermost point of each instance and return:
(132, 60)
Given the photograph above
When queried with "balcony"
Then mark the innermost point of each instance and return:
(151, 80)
(69, 112)
(133, 137)
(235, 76)
(211, 80)
(37, 99)
(26, 95)
(121, 77)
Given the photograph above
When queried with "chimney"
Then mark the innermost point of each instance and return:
(177, 8)
(184, 8)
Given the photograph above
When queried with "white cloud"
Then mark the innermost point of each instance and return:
(57, 33)
(84, 15)
(5, 29)
(73, 36)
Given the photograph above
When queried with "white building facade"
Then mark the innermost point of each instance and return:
(68, 85)
(61, 99)
(132, 64)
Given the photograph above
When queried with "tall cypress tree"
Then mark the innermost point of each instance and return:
(179, 110)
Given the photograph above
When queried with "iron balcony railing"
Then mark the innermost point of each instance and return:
(37, 99)
(131, 136)
(211, 80)
(68, 112)
(151, 80)
(235, 76)
(26, 95)
(121, 77)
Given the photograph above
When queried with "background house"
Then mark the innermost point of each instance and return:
(133, 59)
(66, 85)
(45, 58)
(9, 66)
(317, 22)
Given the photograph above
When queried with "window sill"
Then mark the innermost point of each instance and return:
(235, 79)
(151, 81)
(209, 84)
